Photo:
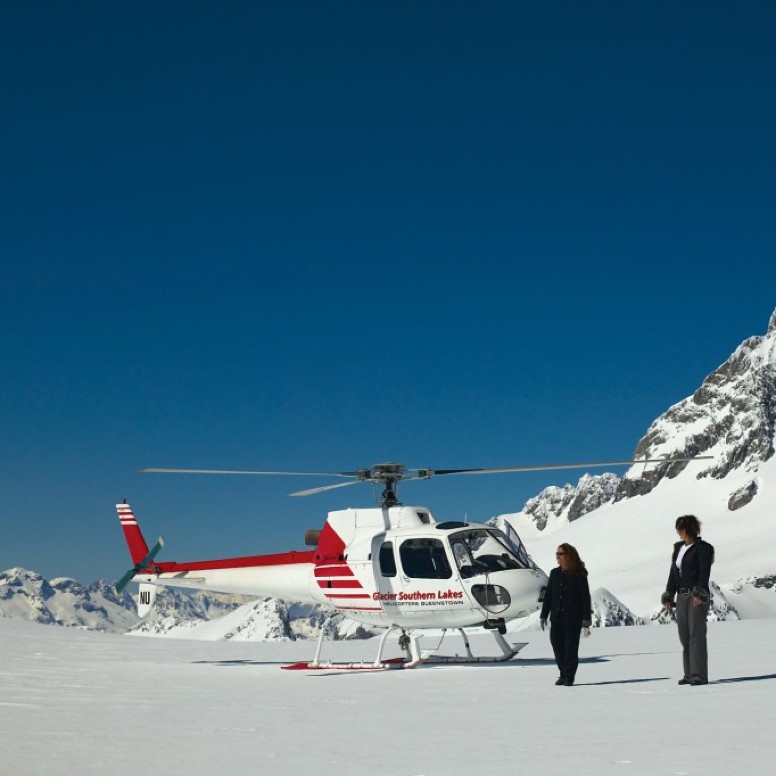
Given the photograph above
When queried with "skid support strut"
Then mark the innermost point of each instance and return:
(413, 656)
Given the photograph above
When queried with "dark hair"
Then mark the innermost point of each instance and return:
(690, 525)
(576, 566)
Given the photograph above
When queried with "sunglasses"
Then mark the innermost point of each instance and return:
(559, 553)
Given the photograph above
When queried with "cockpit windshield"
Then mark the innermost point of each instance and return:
(481, 551)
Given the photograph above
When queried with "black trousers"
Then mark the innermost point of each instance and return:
(692, 633)
(564, 637)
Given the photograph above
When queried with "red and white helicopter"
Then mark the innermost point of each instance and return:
(391, 566)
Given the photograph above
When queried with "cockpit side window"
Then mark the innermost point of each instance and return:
(387, 560)
(424, 559)
(463, 557)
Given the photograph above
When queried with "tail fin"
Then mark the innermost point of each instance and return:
(138, 548)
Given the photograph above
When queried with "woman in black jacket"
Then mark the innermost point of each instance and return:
(688, 580)
(567, 602)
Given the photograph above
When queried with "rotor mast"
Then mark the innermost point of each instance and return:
(388, 475)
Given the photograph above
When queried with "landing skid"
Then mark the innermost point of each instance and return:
(414, 657)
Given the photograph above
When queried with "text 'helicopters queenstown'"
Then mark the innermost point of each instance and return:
(391, 566)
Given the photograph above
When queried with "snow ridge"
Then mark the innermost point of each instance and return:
(730, 417)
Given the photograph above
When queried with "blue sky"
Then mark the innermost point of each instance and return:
(316, 236)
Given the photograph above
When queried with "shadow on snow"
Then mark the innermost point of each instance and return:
(744, 679)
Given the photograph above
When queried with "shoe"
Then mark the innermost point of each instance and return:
(697, 682)
(684, 681)
(560, 680)
(568, 682)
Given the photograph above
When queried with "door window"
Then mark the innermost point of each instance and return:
(424, 559)
(387, 560)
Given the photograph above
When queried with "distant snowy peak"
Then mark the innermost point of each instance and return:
(199, 615)
(609, 611)
(261, 620)
(62, 601)
(266, 619)
(731, 417)
(556, 504)
(176, 609)
(27, 595)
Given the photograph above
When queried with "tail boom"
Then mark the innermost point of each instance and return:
(288, 575)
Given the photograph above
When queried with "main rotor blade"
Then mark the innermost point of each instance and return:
(313, 491)
(558, 466)
(242, 471)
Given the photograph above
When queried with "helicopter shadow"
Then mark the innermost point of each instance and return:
(535, 662)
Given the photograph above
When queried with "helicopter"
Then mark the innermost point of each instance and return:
(391, 566)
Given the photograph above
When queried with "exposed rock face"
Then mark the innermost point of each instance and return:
(766, 583)
(742, 496)
(609, 611)
(732, 417)
(572, 502)
(721, 608)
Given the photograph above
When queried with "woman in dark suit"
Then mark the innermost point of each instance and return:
(688, 580)
(567, 603)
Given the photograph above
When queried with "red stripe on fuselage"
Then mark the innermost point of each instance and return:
(333, 570)
(327, 583)
(278, 559)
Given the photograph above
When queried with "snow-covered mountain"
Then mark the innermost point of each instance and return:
(62, 601)
(731, 417)
(623, 526)
(265, 619)
(571, 502)
(198, 615)
(608, 611)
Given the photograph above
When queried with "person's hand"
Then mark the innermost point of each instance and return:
(543, 623)
(667, 600)
(700, 596)
(585, 632)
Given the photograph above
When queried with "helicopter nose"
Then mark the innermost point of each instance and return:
(525, 590)
(492, 596)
